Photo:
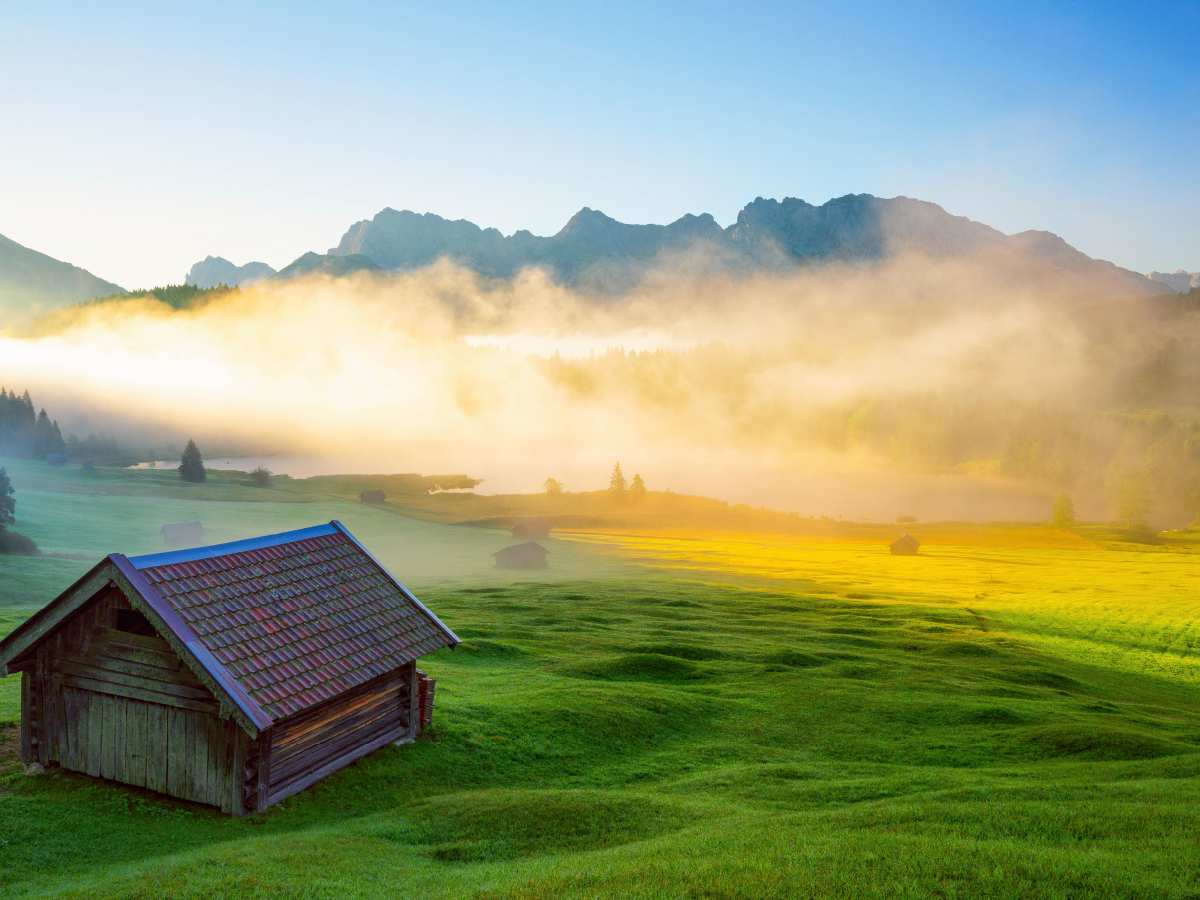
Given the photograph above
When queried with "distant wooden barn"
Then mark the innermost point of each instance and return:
(371, 497)
(233, 675)
(905, 546)
(531, 529)
(529, 555)
(182, 534)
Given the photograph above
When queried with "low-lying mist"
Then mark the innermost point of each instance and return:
(841, 390)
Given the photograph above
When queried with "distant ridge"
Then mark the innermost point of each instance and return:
(32, 283)
(598, 253)
(315, 263)
(214, 270)
(1179, 281)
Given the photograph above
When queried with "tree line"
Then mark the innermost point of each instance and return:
(25, 433)
(617, 485)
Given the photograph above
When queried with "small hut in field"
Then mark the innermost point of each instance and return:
(530, 555)
(371, 497)
(531, 529)
(905, 546)
(234, 675)
(182, 534)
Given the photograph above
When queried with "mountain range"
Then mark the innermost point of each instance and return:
(596, 253)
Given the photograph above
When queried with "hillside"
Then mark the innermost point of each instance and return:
(596, 252)
(33, 283)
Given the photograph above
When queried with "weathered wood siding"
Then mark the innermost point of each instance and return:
(122, 706)
(100, 699)
(319, 741)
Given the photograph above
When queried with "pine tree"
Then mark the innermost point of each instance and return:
(191, 464)
(637, 487)
(616, 483)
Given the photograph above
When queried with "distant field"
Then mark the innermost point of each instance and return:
(1013, 713)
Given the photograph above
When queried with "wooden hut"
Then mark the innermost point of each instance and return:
(529, 555)
(182, 534)
(233, 675)
(371, 497)
(531, 529)
(905, 546)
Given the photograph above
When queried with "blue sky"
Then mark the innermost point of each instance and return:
(137, 139)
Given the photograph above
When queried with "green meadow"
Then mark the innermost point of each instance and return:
(1015, 712)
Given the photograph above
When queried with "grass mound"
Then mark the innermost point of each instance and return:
(498, 825)
(967, 648)
(795, 659)
(1047, 680)
(994, 715)
(684, 651)
(482, 647)
(634, 667)
(1053, 741)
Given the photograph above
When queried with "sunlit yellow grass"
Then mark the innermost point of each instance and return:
(1131, 610)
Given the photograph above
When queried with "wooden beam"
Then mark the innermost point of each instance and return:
(176, 733)
(190, 720)
(26, 718)
(95, 751)
(39, 699)
(237, 773)
(264, 768)
(414, 703)
(129, 692)
(69, 667)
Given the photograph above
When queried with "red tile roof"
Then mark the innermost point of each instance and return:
(296, 622)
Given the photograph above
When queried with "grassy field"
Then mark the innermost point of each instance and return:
(1013, 713)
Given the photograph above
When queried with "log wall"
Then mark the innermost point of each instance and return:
(123, 706)
(317, 742)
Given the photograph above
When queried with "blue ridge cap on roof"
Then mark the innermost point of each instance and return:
(269, 540)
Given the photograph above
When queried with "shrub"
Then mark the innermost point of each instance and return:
(18, 544)
(260, 477)
(1063, 512)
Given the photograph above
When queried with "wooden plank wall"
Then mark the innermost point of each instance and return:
(319, 741)
(123, 706)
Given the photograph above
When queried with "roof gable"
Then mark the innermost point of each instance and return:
(115, 570)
